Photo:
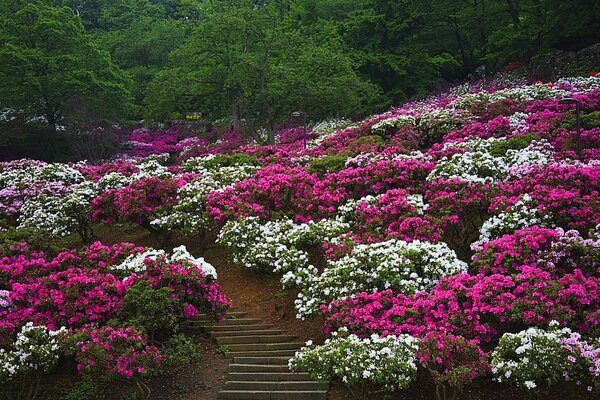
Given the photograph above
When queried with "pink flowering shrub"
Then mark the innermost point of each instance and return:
(568, 193)
(474, 306)
(554, 250)
(394, 215)
(190, 287)
(95, 172)
(77, 288)
(73, 298)
(108, 353)
(136, 202)
(452, 360)
(278, 190)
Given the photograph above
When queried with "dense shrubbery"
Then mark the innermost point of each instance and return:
(73, 305)
(456, 230)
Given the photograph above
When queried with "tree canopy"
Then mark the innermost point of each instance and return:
(255, 62)
(50, 67)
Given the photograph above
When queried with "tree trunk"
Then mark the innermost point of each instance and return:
(514, 9)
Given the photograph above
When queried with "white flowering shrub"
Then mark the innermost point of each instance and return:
(533, 357)
(274, 245)
(481, 166)
(536, 91)
(135, 262)
(35, 350)
(325, 129)
(393, 123)
(189, 213)
(61, 215)
(35, 172)
(522, 214)
(367, 365)
(112, 180)
(394, 264)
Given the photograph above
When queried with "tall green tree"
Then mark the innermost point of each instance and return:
(50, 67)
(251, 62)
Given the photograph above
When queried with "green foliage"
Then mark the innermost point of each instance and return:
(36, 239)
(259, 72)
(254, 63)
(23, 139)
(231, 160)
(49, 66)
(180, 350)
(365, 143)
(520, 142)
(591, 120)
(223, 349)
(82, 390)
(151, 310)
(328, 164)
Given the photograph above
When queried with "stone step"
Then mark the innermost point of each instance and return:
(264, 346)
(229, 315)
(227, 328)
(273, 395)
(264, 332)
(282, 368)
(236, 321)
(261, 353)
(277, 386)
(272, 360)
(268, 376)
(255, 339)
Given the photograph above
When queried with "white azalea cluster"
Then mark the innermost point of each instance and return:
(522, 214)
(36, 349)
(274, 245)
(224, 175)
(325, 129)
(394, 264)
(38, 172)
(537, 91)
(135, 263)
(582, 83)
(481, 166)
(393, 123)
(533, 357)
(387, 362)
(148, 168)
(189, 213)
(60, 215)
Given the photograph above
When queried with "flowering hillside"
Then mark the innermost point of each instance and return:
(458, 236)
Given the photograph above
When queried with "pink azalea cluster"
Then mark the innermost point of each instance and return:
(113, 352)
(95, 172)
(553, 250)
(477, 307)
(392, 215)
(135, 203)
(143, 142)
(452, 359)
(79, 288)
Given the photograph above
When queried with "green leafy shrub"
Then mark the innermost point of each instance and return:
(501, 147)
(82, 390)
(149, 309)
(230, 160)
(328, 164)
(35, 238)
(365, 143)
(180, 349)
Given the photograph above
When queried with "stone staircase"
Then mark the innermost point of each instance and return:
(259, 354)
